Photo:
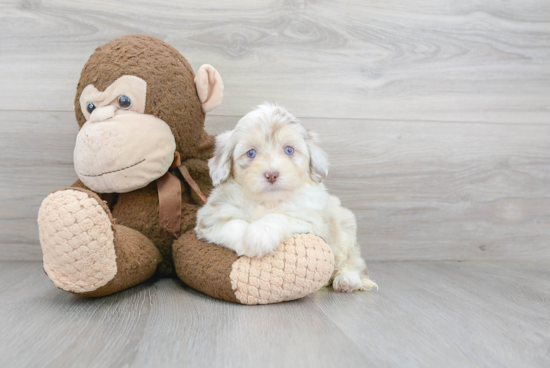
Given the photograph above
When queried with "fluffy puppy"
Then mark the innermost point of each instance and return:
(268, 173)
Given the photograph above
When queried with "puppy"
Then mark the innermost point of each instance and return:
(268, 173)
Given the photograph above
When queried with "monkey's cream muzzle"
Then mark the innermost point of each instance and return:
(120, 149)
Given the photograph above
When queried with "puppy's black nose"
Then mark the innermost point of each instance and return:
(271, 176)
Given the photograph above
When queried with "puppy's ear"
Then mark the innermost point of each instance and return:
(220, 164)
(318, 161)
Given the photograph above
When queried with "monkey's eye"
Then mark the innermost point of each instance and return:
(124, 101)
(289, 150)
(251, 153)
(90, 107)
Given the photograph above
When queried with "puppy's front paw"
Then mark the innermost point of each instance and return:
(347, 282)
(260, 238)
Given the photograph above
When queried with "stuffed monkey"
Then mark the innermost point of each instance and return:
(141, 158)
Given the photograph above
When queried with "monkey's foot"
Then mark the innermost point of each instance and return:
(77, 238)
(301, 265)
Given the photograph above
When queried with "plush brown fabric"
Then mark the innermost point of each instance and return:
(172, 97)
(139, 210)
(142, 247)
(137, 260)
(204, 266)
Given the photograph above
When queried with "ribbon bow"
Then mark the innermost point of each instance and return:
(169, 192)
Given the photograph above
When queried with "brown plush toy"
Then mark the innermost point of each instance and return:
(141, 157)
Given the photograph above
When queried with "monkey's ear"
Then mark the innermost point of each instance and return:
(318, 161)
(220, 163)
(209, 87)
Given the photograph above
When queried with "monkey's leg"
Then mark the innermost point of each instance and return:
(85, 253)
(301, 265)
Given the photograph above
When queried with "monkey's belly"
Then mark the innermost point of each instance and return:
(139, 211)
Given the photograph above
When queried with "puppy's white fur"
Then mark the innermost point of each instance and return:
(252, 216)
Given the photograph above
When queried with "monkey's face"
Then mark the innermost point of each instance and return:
(119, 148)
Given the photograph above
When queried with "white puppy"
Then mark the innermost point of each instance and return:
(269, 174)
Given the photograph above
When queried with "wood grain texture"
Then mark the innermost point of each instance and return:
(420, 191)
(475, 314)
(425, 314)
(160, 324)
(35, 159)
(482, 61)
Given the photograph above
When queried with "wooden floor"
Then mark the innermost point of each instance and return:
(437, 314)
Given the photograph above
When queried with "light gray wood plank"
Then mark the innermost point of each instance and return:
(473, 314)
(427, 190)
(43, 326)
(161, 324)
(35, 159)
(540, 271)
(226, 335)
(429, 314)
(14, 271)
(481, 61)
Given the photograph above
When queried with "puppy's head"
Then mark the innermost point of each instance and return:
(269, 153)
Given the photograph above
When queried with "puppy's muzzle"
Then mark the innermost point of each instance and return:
(271, 176)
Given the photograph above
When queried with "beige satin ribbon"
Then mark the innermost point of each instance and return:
(169, 192)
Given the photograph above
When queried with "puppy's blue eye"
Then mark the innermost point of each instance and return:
(289, 150)
(251, 153)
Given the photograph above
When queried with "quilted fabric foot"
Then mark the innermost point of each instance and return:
(301, 265)
(77, 241)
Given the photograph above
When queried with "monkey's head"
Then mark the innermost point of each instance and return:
(137, 103)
